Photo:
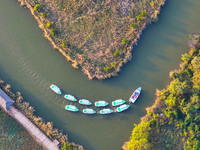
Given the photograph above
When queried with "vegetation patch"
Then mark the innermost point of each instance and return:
(94, 29)
(13, 136)
(173, 122)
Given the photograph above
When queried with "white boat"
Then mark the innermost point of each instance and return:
(70, 97)
(122, 108)
(101, 103)
(56, 89)
(85, 102)
(89, 111)
(118, 102)
(106, 111)
(135, 95)
(71, 108)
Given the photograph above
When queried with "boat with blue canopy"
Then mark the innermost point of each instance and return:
(135, 95)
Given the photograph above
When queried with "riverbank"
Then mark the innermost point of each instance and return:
(173, 121)
(109, 31)
(47, 128)
(13, 136)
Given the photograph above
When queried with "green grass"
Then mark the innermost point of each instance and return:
(13, 136)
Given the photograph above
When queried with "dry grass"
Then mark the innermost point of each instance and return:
(94, 29)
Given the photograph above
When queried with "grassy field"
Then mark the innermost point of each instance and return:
(97, 35)
(13, 136)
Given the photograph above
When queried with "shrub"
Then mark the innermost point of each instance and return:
(113, 64)
(44, 15)
(152, 3)
(116, 53)
(63, 44)
(53, 32)
(124, 40)
(107, 69)
(144, 14)
(133, 25)
(49, 24)
(185, 57)
(138, 18)
(37, 7)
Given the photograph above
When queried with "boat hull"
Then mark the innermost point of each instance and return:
(71, 108)
(55, 88)
(85, 102)
(106, 111)
(89, 111)
(135, 95)
(101, 103)
(122, 108)
(70, 97)
(118, 102)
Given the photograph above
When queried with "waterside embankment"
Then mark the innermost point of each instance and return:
(24, 114)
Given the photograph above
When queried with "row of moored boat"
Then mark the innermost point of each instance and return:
(120, 103)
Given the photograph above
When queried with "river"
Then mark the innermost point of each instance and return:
(30, 64)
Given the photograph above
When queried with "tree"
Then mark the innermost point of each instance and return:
(64, 146)
(196, 63)
(185, 57)
(178, 88)
(140, 137)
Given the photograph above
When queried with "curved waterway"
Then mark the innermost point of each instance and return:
(30, 64)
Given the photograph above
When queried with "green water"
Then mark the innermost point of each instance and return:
(30, 64)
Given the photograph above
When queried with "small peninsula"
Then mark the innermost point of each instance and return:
(173, 122)
(96, 36)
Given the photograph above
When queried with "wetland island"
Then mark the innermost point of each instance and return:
(97, 36)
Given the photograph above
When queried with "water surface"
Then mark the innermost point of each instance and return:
(30, 64)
